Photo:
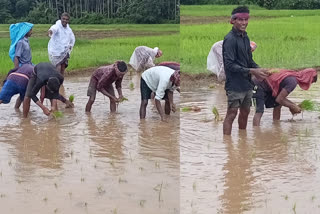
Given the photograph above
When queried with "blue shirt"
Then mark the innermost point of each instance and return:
(23, 51)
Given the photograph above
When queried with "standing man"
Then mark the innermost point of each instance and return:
(162, 81)
(239, 66)
(61, 43)
(20, 51)
(143, 57)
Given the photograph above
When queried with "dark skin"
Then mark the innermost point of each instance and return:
(113, 99)
(240, 24)
(283, 101)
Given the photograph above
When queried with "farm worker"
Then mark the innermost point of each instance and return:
(44, 74)
(102, 79)
(20, 51)
(273, 91)
(162, 81)
(61, 43)
(173, 65)
(215, 59)
(16, 83)
(143, 57)
(239, 66)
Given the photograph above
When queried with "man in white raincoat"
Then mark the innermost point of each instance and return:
(143, 57)
(61, 43)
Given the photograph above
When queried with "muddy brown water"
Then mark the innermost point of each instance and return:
(271, 169)
(89, 163)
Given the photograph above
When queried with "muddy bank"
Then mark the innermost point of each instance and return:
(208, 80)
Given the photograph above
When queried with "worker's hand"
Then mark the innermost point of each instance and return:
(46, 111)
(173, 108)
(117, 100)
(260, 73)
(69, 104)
(295, 110)
(49, 33)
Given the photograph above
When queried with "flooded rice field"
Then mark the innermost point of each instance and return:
(271, 169)
(89, 163)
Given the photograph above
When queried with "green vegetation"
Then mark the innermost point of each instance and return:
(57, 114)
(283, 42)
(309, 105)
(71, 98)
(255, 11)
(92, 48)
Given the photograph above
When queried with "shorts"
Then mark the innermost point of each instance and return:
(9, 89)
(239, 99)
(263, 98)
(92, 89)
(146, 91)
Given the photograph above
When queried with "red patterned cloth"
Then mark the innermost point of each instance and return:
(304, 78)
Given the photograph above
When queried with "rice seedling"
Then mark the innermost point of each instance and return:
(191, 108)
(142, 202)
(294, 208)
(1, 174)
(186, 109)
(82, 179)
(45, 199)
(114, 211)
(309, 105)
(216, 114)
(86, 204)
(57, 114)
(157, 165)
(131, 86)
(286, 197)
(101, 190)
(212, 86)
(123, 99)
(71, 98)
(122, 180)
(194, 186)
(312, 198)
(141, 168)
(55, 210)
(2, 195)
(70, 195)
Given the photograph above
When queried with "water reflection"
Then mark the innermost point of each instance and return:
(267, 169)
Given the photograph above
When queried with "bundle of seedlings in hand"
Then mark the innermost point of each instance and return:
(57, 114)
(309, 105)
(71, 98)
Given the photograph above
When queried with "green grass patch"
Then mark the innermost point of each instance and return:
(255, 11)
(282, 42)
(96, 52)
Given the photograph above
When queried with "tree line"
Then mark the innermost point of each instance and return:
(269, 4)
(91, 11)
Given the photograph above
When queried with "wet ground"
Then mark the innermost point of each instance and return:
(89, 163)
(271, 169)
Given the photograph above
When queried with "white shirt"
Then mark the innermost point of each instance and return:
(61, 41)
(158, 80)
